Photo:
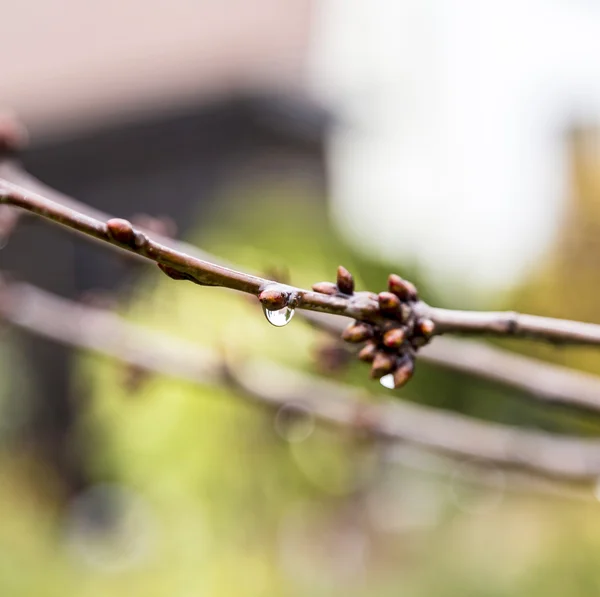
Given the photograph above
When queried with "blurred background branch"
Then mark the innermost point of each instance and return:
(271, 385)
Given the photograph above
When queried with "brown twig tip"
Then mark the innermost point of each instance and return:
(383, 363)
(273, 299)
(403, 289)
(404, 372)
(358, 332)
(121, 230)
(345, 281)
(325, 288)
(388, 303)
(394, 338)
(367, 353)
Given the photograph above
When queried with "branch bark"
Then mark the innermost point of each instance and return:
(510, 323)
(123, 236)
(361, 306)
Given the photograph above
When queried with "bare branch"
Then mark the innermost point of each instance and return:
(120, 233)
(268, 384)
(544, 382)
(545, 454)
(559, 331)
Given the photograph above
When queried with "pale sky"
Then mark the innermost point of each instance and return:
(453, 111)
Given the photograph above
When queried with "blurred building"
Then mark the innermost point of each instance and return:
(72, 64)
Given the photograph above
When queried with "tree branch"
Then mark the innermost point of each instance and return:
(558, 331)
(121, 234)
(273, 386)
(544, 382)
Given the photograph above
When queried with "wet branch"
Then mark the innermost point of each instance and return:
(363, 306)
(181, 261)
(179, 265)
(557, 331)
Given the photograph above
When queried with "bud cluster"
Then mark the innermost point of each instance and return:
(391, 344)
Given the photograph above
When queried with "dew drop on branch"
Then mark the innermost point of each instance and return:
(280, 317)
(387, 381)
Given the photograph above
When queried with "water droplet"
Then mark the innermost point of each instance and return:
(280, 317)
(387, 381)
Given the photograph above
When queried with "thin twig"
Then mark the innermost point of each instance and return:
(203, 272)
(559, 331)
(271, 385)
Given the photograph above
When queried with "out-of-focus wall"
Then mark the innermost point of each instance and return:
(65, 62)
(455, 158)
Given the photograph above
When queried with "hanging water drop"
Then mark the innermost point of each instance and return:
(279, 317)
(387, 381)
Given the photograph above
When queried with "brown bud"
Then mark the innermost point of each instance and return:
(121, 230)
(367, 353)
(383, 363)
(403, 289)
(388, 302)
(273, 299)
(426, 327)
(394, 338)
(357, 332)
(404, 372)
(345, 281)
(325, 288)
(172, 272)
